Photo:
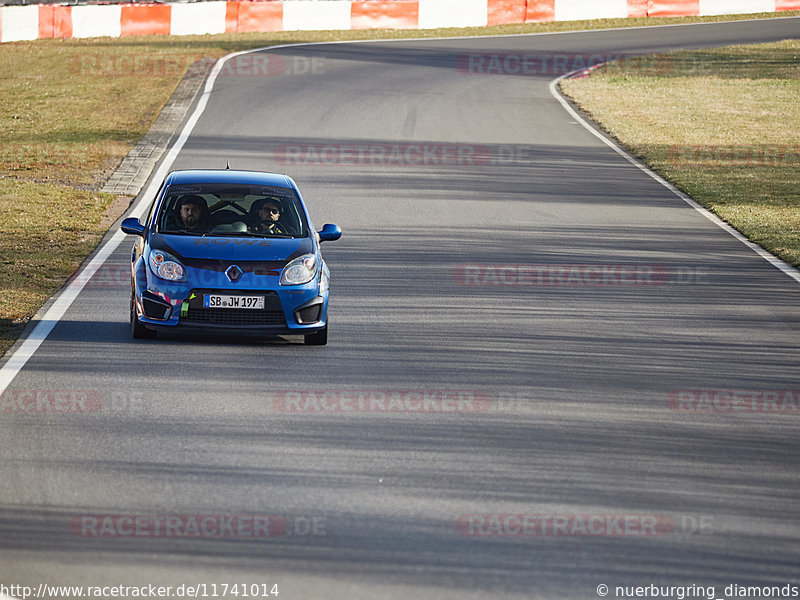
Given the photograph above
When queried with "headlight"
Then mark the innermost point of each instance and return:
(166, 266)
(301, 270)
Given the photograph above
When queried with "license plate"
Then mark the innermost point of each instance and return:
(225, 301)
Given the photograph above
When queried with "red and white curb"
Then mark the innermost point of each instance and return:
(38, 21)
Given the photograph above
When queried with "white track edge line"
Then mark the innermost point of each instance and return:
(776, 262)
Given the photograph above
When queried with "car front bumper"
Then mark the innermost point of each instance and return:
(178, 306)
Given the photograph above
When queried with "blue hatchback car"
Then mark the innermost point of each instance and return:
(229, 252)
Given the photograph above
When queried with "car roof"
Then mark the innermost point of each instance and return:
(228, 176)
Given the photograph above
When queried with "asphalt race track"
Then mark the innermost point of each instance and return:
(572, 419)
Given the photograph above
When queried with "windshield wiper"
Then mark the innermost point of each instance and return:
(273, 235)
(179, 232)
(229, 234)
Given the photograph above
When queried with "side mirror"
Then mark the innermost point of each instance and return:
(329, 233)
(132, 226)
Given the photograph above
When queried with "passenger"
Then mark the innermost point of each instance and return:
(265, 214)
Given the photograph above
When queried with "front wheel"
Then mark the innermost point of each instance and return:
(139, 331)
(317, 339)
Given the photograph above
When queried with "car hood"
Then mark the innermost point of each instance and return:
(232, 248)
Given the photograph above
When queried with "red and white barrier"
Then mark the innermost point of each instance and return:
(19, 23)
(197, 18)
(97, 21)
(452, 13)
(309, 16)
(577, 10)
(732, 7)
(237, 16)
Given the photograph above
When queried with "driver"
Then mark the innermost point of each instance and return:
(266, 212)
(192, 213)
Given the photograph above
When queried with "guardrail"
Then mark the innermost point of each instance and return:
(37, 21)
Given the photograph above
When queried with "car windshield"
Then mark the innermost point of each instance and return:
(231, 210)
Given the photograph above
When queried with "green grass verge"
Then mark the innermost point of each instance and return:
(720, 124)
(72, 109)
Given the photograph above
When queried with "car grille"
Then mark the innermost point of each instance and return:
(234, 316)
(271, 314)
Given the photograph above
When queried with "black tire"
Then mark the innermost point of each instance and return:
(139, 331)
(317, 339)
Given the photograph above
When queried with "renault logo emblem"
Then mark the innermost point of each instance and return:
(234, 273)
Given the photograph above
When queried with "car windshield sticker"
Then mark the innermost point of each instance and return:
(185, 189)
(273, 192)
